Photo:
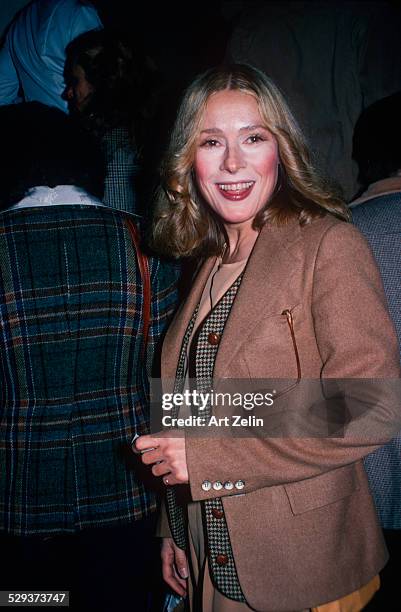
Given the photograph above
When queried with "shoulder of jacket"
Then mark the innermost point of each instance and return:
(329, 234)
(320, 225)
(329, 228)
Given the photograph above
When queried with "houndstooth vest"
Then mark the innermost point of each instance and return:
(218, 546)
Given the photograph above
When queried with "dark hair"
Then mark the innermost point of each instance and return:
(41, 145)
(377, 138)
(115, 75)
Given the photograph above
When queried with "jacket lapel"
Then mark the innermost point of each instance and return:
(270, 268)
(266, 288)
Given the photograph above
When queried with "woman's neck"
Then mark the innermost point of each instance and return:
(240, 243)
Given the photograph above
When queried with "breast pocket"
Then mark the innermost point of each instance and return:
(271, 352)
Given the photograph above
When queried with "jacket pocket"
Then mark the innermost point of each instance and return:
(275, 339)
(322, 490)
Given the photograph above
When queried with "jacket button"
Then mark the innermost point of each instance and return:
(206, 485)
(222, 559)
(213, 338)
(218, 514)
(228, 485)
(240, 484)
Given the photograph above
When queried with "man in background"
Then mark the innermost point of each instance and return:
(82, 311)
(377, 214)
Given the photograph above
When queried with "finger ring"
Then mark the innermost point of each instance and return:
(166, 481)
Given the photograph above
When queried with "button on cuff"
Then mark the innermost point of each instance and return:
(206, 485)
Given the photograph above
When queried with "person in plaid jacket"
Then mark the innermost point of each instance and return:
(74, 510)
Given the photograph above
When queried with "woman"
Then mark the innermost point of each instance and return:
(102, 87)
(288, 290)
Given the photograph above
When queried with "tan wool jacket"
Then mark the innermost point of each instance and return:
(303, 529)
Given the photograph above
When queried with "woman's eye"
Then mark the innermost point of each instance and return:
(255, 138)
(210, 142)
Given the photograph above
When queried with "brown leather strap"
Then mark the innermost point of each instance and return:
(143, 264)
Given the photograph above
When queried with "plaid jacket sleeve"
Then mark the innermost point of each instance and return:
(164, 277)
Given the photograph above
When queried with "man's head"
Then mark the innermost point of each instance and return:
(377, 140)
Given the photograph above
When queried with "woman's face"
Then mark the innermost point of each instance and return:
(78, 91)
(236, 157)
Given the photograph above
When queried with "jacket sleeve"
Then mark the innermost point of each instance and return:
(356, 340)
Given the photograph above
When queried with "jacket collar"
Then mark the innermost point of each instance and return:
(52, 196)
(384, 187)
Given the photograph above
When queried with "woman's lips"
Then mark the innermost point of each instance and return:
(235, 191)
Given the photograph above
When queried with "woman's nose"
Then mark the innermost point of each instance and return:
(233, 159)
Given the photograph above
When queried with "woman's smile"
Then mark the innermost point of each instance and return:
(236, 191)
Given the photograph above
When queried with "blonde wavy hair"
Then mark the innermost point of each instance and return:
(184, 225)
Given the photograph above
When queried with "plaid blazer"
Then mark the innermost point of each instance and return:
(379, 219)
(73, 383)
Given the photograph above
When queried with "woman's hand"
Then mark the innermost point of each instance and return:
(167, 456)
(174, 566)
